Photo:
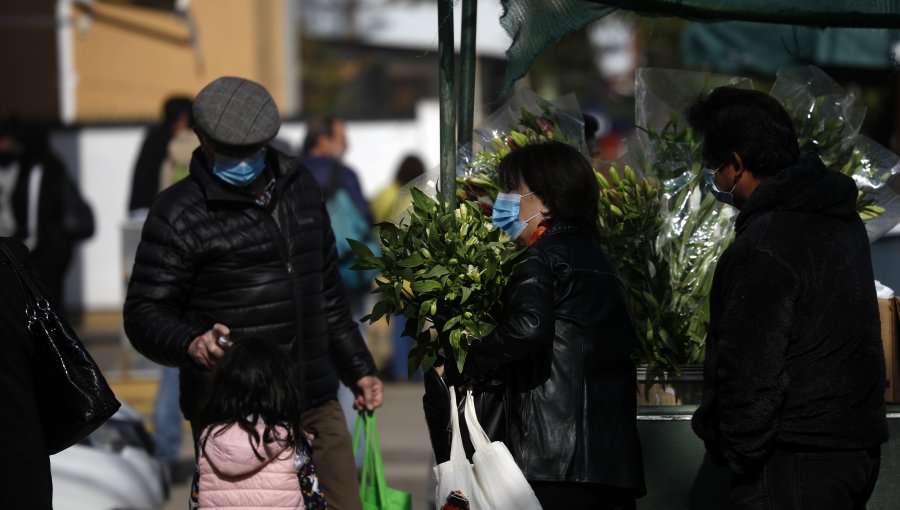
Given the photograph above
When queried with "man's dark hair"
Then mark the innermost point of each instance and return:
(558, 174)
(316, 128)
(750, 123)
(177, 107)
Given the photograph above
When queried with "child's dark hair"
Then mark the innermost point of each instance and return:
(255, 382)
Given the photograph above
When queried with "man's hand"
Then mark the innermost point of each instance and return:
(204, 350)
(369, 393)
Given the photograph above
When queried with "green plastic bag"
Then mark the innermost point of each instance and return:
(373, 490)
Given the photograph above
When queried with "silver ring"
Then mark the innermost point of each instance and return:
(223, 341)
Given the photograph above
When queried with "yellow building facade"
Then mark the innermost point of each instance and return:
(86, 61)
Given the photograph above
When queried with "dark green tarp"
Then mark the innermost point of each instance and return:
(741, 47)
(533, 24)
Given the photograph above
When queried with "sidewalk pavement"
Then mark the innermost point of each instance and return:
(406, 450)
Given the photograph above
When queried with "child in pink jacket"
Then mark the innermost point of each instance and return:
(255, 453)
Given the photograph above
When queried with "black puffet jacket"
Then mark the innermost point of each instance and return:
(565, 340)
(209, 253)
(793, 354)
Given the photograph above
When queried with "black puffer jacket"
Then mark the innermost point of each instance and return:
(793, 353)
(565, 341)
(209, 254)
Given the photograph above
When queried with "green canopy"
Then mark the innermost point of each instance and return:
(533, 24)
(762, 48)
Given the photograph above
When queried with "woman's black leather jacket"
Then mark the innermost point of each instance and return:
(564, 343)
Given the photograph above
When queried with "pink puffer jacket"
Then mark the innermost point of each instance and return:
(232, 477)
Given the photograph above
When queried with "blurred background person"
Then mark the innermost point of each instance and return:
(164, 159)
(147, 178)
(322, 153)
(39, 204)
(323, 149)
(387, 200)
(384, 204)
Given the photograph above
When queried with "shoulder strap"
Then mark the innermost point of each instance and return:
(29, 289)
(334, 179)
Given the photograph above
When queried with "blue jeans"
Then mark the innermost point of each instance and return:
(402, 346)
(828, 480)
(167, 419)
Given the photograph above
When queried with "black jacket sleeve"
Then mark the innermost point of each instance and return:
(527, 319)
(159, 287)
(750, 370)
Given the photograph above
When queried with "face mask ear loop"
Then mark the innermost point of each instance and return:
(534, 216)
(737, 179)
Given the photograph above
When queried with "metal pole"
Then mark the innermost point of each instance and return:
(448, 105)
(467, 72)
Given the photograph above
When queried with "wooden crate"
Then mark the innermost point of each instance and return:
(889, 310)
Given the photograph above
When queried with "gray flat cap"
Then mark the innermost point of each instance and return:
(236, 111)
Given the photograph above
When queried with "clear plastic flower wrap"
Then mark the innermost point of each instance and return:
(669, 266)
(679, 254)
(828, 120)
(523, 119)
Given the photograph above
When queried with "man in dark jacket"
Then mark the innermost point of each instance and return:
(243, 248)
(794, 377)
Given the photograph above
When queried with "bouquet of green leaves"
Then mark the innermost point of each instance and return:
(444, 269)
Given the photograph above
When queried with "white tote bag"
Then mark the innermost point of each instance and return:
(456, 474)
(500, 478)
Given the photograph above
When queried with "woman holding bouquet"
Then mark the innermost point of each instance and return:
(564, 340)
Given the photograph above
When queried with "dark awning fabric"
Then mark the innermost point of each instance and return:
(533, 24)
(763, 48)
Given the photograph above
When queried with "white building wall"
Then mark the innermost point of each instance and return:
(102, 160)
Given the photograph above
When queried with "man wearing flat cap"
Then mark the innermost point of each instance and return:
(243, 249)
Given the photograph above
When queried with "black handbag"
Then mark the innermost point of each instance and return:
(73, 396)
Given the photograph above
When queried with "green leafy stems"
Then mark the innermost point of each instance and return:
(444, 270)
(657, 230)
(666, 233)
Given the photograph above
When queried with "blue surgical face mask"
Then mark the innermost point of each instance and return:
(239, 172)
(506, 214)
(726, 197)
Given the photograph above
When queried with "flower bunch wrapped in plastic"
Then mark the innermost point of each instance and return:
(444, 269)
(525, 118)
(828, 120)
(669, 264)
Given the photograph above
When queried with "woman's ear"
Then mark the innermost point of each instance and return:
(738, 162)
